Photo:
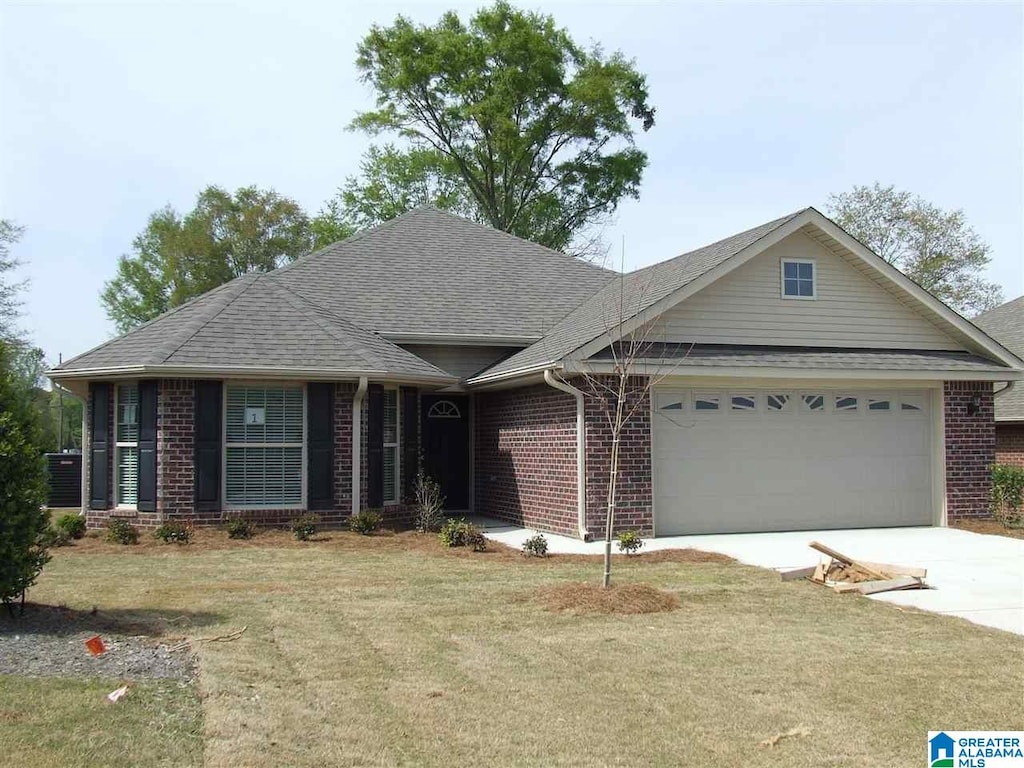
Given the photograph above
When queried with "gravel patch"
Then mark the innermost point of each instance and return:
(50, 642)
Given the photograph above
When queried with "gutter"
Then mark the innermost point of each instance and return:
(581, 452)
(357, 442)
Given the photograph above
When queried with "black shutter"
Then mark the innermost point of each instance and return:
(147, 445)
(99, 446)
(410, 440)
(375, 441)
(208, 445)
(320, 445)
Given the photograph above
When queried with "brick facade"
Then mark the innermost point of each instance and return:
(970, 448)
(175, 448)
(1010, 444)
(525, 464)
(525, 470)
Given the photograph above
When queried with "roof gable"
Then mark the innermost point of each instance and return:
(1005, 323)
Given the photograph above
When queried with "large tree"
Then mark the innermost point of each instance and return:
(537, 130)
(935, 248)
(225, 235)
(10, 301)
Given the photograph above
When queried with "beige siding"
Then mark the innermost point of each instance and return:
(461, 361)
(746, 307)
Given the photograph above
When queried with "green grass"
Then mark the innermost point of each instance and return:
(385, 651)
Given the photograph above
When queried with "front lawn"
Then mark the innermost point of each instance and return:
(388, 651)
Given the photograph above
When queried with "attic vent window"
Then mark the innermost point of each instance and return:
(799, 279)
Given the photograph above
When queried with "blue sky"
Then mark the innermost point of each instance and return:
(109, 111)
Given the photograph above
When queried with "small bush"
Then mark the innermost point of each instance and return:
(73, 525)
(54, 537)
(174, 532)
(630, 542)
(429, 503)
(1008, 495)
(459, 533)
(121, 532)
(239, 528)
(304, 528)
(536, 546)
(365, 521)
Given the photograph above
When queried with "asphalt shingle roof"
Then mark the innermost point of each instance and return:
(634, 293)
(429, 272)
(252, 322)
(1005, 324)
(810, 358)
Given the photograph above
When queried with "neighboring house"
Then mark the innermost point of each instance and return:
(1005, 323)
(802, 382)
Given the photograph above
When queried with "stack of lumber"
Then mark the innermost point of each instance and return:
(845, 574)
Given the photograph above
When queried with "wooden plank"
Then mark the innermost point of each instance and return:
(897, 570)
(848, 586)
(798, 573)
(848, 560)
(888, 585)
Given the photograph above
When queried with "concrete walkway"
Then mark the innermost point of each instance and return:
(976, 577)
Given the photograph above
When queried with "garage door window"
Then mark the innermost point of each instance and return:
(846, 403)
(702, 402)
(879, 403)
(912, 403)
(744, 402)
(778, 402)
(813, 403)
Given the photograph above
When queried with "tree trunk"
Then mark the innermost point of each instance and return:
(613, 480)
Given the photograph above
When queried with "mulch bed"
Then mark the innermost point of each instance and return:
(625, 599)
(991, 527)
(49, 641)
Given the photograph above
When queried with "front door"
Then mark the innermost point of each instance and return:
(445, 435)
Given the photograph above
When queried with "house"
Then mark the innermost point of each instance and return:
(1006, 324)
(790, 379)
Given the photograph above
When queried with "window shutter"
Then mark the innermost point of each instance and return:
(320, 445)
(99, 446)
(410, 440)
(147, 445)
(207, 432)
(375, 441)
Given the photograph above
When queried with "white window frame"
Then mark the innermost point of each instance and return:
(814, 278)
(119, 444)
(227, 507)
(396, 446)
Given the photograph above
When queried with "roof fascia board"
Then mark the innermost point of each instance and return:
(663, 305)
(660, 369)
(459, 339)
(208, 372)
(887, 270)
(538, 368)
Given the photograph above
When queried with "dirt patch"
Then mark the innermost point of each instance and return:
(628, 599)
(49, 641)
(991, 527)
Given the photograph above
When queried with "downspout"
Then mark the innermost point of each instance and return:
(357, 443)
(1000, 392)
(581, 452)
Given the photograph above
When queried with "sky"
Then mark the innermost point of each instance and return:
(110, 111)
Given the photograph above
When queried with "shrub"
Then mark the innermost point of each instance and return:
(121, 532)
(72, 524)
(536, 546)
(23, 521)
(54, 537)
(459, 533)
(239, 528)
(365, 521)
(630, 542)
(176, 532)
(1008, 495)
(304, 528)
(429, 503)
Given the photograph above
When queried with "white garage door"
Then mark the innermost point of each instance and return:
(786, 460)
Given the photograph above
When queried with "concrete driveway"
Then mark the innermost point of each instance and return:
(976, 577)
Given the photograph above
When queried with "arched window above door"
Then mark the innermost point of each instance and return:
(444, 409)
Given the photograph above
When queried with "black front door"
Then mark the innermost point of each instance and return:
(445, 435)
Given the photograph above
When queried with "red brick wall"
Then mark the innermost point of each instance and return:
(1010, 444)
(525, 463)
(970, 449)
(175, 448)
(634, 493)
